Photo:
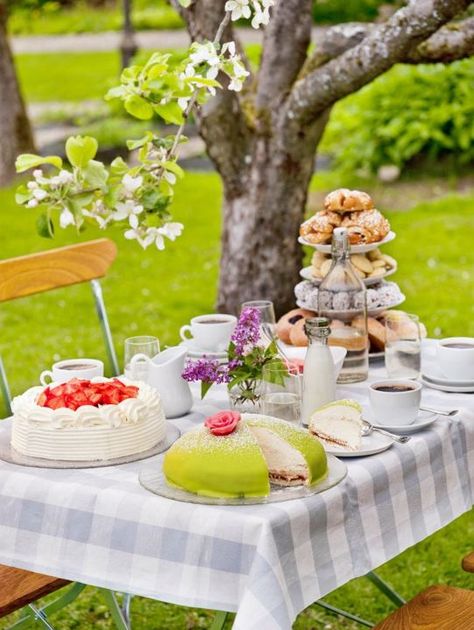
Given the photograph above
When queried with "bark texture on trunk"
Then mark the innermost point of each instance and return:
(15, 130)
(263, 141)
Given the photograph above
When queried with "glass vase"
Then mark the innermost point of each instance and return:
(246, 397)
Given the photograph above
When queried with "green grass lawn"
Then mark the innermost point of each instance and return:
(81, 18)
(154, 293)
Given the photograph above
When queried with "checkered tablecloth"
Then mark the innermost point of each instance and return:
(267, 563)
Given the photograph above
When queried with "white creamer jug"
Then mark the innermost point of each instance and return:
(164, 374)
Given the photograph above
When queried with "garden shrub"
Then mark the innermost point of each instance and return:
(335, 11)
(410, 111)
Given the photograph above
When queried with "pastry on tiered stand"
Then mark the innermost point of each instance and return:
(371, 266)
(352, 209)
(83, 420)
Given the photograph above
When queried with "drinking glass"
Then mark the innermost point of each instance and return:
(402, 345)
(142, 344)
(281, 392)
(267, 315)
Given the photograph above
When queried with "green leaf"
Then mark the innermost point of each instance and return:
(139, 108)
(80, 150)
(118, 166)
(137, 144)
(28, 160)
(115, 92)
(174, 168)
(96, 175)
(185, 3)
(44, 226)
(171, 113)
(205, 387)
(22, 195)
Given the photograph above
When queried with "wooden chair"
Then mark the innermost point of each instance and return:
(436, 608)
(20, 277)
(56, 268)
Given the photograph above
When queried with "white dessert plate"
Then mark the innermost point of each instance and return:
(346, 315)
(423, 420)
(8, 454)
(197, 353)
(355, 249)
(154, 481)
(371, 445)
(454, 389)
(307, 274)
(432, 372)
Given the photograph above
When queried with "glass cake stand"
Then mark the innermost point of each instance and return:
(154, 481)
(8, 454)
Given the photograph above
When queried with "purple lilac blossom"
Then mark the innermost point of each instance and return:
(206, 370)
(247, 331)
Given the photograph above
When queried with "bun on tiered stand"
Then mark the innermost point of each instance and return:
(367, 230)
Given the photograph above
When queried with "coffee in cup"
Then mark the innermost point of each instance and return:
(395, 402)
(209, 332)
(63, 371)
(456, 357)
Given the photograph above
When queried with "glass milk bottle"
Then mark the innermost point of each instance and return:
(342, 298)
(319, 379)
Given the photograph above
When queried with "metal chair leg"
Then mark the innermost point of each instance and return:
(5, 388)
(126, 603)
(105, 326)
(344, 613)
(386, 589)
(219, 620)
(115, 610)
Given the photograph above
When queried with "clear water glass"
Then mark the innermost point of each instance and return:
(142, 344)
(281, 392)
(402, 345)
(267, 314)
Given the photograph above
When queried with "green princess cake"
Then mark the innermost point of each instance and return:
(235, 455)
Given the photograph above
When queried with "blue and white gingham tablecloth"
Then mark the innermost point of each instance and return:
(267, 563)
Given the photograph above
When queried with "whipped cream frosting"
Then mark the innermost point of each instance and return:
(129, 411)
(89, 433)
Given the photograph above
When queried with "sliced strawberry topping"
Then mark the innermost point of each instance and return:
(77, 393)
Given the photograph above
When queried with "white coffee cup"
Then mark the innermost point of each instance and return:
(456, 357)
(210, 332)
(63, 371)
(395, 401)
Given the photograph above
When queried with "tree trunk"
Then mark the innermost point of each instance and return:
(15, 130)
(261, 256)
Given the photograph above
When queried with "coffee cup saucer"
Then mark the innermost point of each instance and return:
(423, 420)
(197, 353)
(432, 372)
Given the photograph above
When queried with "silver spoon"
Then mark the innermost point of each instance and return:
(441, 412)
(367, 429)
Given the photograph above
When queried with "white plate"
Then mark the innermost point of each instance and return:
(346, 315)
(371, 444)
(307, 274)
(423, 420)
(154, 481)
(455, 389)
(197, 353)
(432, 372)
(355, 249)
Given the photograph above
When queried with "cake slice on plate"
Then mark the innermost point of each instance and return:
(338, 423)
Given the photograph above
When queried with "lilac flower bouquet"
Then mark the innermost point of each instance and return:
(246, 360)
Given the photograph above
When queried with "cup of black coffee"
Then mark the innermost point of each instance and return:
(395, 402)
(456, 358)
(67, 369)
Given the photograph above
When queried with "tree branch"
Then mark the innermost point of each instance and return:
(385, 45)
(285, 46)
(221, 120)
(452, 42)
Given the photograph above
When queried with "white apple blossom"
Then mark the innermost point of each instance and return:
(39, 194)
(131, 184)
(206, 53)
(66, 218)
(171, 230)
(61, 179)
(123, 209)
(32, 203)
(238, 8)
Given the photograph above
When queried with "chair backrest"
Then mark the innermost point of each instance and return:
(54, 269)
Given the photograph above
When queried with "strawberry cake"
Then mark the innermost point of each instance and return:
(87, 420)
